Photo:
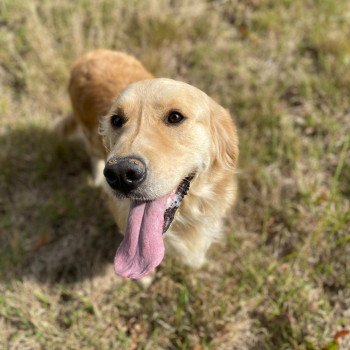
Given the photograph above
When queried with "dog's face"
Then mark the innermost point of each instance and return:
(159, 132)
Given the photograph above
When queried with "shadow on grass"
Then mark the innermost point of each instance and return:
(54, 225)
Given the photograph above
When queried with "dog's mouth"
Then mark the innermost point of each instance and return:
(142, 248)
(174, 201)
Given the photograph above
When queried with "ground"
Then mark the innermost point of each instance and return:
(281, 279)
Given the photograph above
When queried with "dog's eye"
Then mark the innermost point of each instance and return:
(174, 118)
(117, 121)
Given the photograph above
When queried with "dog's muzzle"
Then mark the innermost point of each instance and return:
(125, 174)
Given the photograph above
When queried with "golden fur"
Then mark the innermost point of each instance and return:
(105, 82)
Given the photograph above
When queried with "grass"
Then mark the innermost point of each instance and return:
(282, 278)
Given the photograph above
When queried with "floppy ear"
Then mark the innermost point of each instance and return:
(225, 138)
(103, 132)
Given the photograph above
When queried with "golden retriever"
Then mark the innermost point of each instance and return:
(168, 153)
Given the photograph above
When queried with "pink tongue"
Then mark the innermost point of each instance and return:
(142, 248)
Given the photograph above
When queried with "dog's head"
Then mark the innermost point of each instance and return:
(160, 134)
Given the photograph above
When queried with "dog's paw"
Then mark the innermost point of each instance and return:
(146, 281)
(98, 179)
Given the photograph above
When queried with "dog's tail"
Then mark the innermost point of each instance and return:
(67, 127)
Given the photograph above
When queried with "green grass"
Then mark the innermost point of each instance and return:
(281, 280)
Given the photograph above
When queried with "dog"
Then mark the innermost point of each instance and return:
(165, 153)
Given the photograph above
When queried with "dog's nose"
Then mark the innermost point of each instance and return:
(125, 174)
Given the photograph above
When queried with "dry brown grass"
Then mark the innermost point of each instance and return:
(282, 280)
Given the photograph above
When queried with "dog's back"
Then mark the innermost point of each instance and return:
(96, 79)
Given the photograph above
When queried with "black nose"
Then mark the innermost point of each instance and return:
(125, 174)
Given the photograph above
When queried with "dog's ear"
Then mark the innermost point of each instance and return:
(103, 132)
(225, 137)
